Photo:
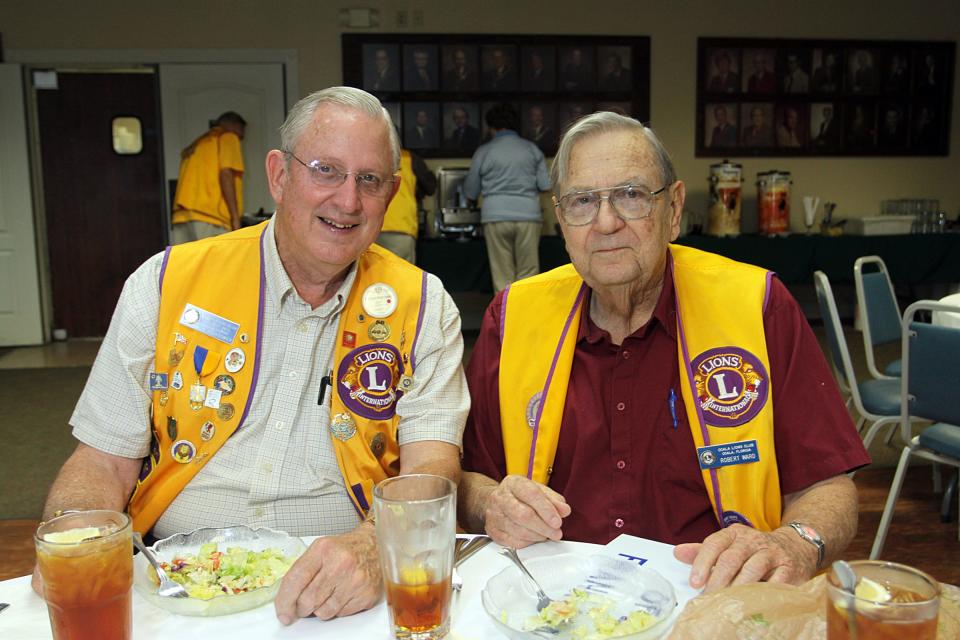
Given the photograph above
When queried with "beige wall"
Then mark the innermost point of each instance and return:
(311, 28)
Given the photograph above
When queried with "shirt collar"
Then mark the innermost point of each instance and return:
(280, 288)
(505, 132)
(664, 314)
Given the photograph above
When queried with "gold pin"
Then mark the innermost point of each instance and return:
(379, 331)
(225, 412)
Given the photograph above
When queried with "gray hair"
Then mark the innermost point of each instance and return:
(606, 122)
(301, 115)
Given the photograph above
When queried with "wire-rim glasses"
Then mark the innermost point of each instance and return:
(630, 202)
(329, 176)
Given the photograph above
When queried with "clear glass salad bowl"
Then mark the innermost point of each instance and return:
(189, 544)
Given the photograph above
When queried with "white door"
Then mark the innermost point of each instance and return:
(191, 95)
(20, 320)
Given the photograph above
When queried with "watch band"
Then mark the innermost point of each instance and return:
(810, 534)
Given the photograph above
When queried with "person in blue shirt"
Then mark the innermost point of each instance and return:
(509, 172)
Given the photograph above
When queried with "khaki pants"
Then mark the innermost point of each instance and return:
(194, 230)
(400, 243)
(514, 251)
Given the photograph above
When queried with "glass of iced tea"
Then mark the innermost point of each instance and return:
(86, 562)
(416, 528)
(891, 602)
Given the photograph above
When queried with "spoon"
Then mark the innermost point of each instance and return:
(848, 582)
(543, 600)
(168, 588)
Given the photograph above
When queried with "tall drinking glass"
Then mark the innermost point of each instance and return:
(416, 528)
(86, 562)
(892, 602)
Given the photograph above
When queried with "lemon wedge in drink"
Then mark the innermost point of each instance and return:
(71, 536)
(414, 576)
(871, 590)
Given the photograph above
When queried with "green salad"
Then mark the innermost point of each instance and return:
(587, 616)
(212, 573)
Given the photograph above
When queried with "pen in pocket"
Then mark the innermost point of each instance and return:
(672, 401)
(325, 382)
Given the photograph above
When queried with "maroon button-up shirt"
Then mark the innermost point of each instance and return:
(625, 462)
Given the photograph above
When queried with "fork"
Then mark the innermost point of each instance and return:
(543, 600)
(463, 549)
(168, 588)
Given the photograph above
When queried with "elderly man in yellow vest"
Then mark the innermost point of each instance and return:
(655, 390)
(271, 376)
(400, 225)
(209, 198)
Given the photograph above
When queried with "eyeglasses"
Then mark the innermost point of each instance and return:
(328, 176)
(630, 202)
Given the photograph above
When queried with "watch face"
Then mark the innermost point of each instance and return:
(809, 531)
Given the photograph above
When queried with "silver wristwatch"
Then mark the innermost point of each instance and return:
(810, 534)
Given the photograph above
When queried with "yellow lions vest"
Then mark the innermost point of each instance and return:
(208, 356)
(401, 216)
(724, 368)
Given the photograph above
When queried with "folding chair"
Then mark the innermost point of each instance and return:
(877, 401)
(879, 312)
(928, 391)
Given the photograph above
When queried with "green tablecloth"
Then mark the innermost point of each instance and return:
(911, 259)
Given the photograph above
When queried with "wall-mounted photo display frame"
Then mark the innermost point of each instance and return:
(439, 87)
(789, 97)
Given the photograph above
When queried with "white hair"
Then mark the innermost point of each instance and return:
(301, 115)
(606, 122)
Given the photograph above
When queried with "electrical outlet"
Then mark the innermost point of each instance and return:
(418, 17)
(403, 19)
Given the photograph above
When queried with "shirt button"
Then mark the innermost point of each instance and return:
(280, 424)
(303, 327)
(621, 406)
(293, 375)
(621, 464)
(258, 512)
(626, 354)
(267, 468)
(618, 523)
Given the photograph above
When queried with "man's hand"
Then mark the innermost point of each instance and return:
(520, 512)
(739, 554)
(337, 576)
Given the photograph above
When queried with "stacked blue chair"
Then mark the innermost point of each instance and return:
(928, 391)
(879, 312)
(876, 401)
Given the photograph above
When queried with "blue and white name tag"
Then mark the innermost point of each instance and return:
(725, 455)
(209, 324)
(158, 382)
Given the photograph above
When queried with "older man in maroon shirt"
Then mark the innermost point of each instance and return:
(626, 460)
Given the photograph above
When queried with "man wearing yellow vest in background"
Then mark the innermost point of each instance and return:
(400, 225)
(655, 390)
(271, 376)
(209, 198)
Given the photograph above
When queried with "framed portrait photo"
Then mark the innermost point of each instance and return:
(421, 129)
(461, 71)
(381, 67)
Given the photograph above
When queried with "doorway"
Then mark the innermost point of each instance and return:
(104, 208)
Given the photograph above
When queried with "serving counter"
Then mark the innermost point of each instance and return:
(910, 259)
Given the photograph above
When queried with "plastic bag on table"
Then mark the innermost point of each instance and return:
(781, 612)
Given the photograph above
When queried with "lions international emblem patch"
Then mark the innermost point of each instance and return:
(367, 381)
(732, 386)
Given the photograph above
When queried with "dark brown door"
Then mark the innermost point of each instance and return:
(104, 211)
